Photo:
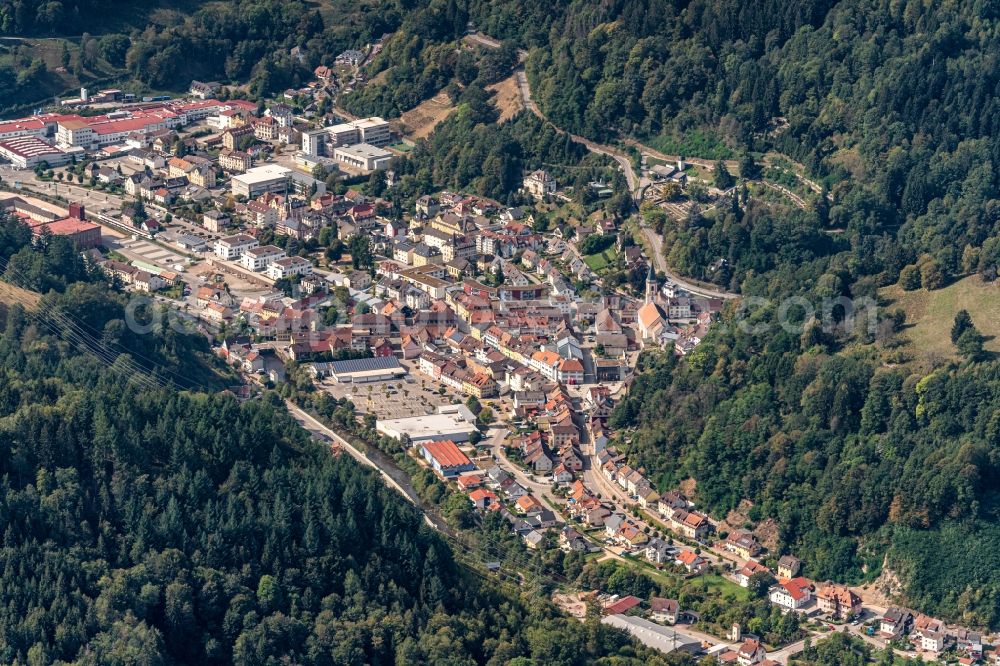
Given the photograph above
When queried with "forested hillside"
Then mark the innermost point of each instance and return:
(164, 45)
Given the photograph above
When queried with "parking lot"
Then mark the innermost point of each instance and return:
(413, 395)
(149, 252)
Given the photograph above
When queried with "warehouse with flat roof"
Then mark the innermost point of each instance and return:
(454, 426)
(364, 370)
(654, 635)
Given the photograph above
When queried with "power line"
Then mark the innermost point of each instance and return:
(64, 327)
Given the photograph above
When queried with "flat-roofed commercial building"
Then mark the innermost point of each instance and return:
(456, 426)
(373, 131)
(654, 635)
(362, 156)
(314, 142)
(261, 180)
(363, 370)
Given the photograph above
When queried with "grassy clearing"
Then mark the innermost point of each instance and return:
(507, 97)
(421, 120)
(930, 314)
(10, 295)
(597, 262)
(698, 143)
(723, 587)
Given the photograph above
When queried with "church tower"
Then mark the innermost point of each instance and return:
(650, 285)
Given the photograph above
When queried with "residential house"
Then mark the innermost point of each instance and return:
(788, 566)
(968, 641)
(750, 653)
(235, 161)
(930, 641)
(838, 601)
(533, 539)
(234, 137)
(513, 489)
(670, 502)
(791, 594)
(691, 561)
(570, 371)
(749, 568)
(647, 496)
(664, 610)
(928, 634)
(570, 540)
(560, 474)
(895, 622)
(484, 499)
(596, 516)
(528, 505)
(691, 524)
(658, 551)
(539, 183)
(215, 221)
(613, 523)
(742, 543)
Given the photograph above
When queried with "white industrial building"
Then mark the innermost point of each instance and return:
(449, 423)
(27, 152)
(654, 635)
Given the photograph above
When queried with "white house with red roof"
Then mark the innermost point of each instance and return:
(792, 594)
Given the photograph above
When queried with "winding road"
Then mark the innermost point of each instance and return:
(655, 242)
(636, 183)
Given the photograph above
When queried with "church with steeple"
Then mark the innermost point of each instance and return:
(650, 319)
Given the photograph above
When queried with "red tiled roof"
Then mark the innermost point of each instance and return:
(66, 226)
(446, 453)
(622, 605)
(797, 588)
(481, 494)
(687, 557)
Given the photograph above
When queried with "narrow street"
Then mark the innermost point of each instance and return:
(495, 437)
